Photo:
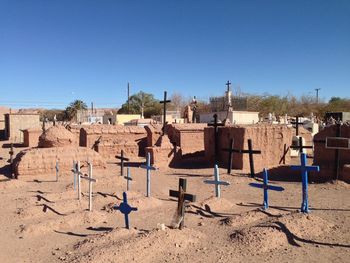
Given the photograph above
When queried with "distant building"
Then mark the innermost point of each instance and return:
(92, 116)
(171, 117)
(15, 123)
(113, 118)
(338, 116)
(235, 117)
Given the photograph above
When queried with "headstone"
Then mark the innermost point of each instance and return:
(216, 135)
(304, 174)
(125, 209)
(164, 102)
(182, 197)
(148, 168)
(266, 187)
(217, 182)
(122, 159)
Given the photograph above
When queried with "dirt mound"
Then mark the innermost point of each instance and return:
(217, 204)
(139, 200)
(150, 246)
(57, 136)
(283, 231)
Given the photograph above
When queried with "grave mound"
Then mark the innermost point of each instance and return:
(57, 136)
(139, 200)
(289, 229)
(215, 204)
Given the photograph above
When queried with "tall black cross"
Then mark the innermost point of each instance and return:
(182, 197)
(228, 83)
(251, 152)
(297, 123)
(11, 152)
(216, 135)
(122, 159)
(230, 152)
(300, 145)
(165, 101)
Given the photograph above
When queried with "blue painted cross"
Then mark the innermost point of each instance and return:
(148, 167)
(217, 181)
(128, 179)
(267, 187)
(304, 169)
(125, 209)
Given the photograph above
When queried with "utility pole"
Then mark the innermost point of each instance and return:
(128, 98)
(317, 94)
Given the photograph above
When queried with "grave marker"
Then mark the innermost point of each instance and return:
(300, 145)
(266, 187)
(122, 159)
(164, 102)
(91, 180)
(182, 197)
(216, 126)
(125, 209)
(11, 152)
(217, 182)
(128, 179)
(230, 152)
(148, 168)
(304, 169)
(78, 180)
(57, 170)
(74, 170)
(297, 123)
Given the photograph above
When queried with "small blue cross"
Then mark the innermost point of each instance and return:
(128, 179)
(125, 209)
(148, 167)
(217, 181)
(304, 169)
(267, 187)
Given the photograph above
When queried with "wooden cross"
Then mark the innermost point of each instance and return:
(91, 180)
(182, 197)
(300, 145)
(216, 135)
(304, 169)
(74, 170)
(164, 102)
(11, 152)
(148, 168)
(57, 170)
(251, 152)
(266, 186)
(78, 174)
(125, 209)
(122, 159)
(230, 152)
(297, 123)
(128, 178)
(217, 182)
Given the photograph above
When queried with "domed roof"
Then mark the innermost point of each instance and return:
(56, 136)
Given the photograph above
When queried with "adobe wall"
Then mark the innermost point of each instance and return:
(38, 161)
(325, 158)
(89, 136)
(109, 148)
(154, 131)
(31, 137)
(270, 139)
(19, 122)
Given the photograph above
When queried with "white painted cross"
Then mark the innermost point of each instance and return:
(91, 180)
(148, 167)
(217, 181)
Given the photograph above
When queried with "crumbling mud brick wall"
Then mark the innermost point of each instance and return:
(325, 158)
(154, 131)
(57, 136)
(31, 137)
(42, 161)
(109, 148)
(163, 153)
(189, 137)
(93, 135)
(270, 139)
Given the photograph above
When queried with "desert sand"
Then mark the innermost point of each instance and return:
(43, 221)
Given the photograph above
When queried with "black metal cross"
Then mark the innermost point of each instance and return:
(297, 123)
(11, 152)
(230, 152)
(165, 101)
(300, 145)
(182, 197)
(228, 83)
(251, 152)
(216, 135)
(122, 159)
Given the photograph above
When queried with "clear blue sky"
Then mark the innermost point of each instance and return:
(52, 52)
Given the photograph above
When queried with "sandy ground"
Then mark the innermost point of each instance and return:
(42, 220)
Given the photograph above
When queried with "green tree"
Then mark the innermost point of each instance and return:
(73, 108)
(142, 101)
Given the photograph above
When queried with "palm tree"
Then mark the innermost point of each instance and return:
(74, 107)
